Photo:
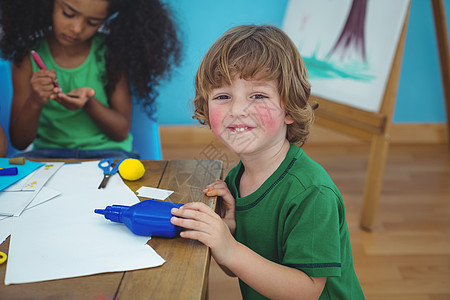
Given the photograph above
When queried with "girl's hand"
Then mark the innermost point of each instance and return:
(43, 87)
(219, 188)
(204, 225)
(76, 99)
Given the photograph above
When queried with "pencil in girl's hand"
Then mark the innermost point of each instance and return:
(38, 60)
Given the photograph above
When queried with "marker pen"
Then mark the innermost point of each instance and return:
(40, 63)
(38, 60)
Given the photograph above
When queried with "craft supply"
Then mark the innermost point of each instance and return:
(24, 170)
(131, 169)
(17, 161)
(8, 171)
(40, 63)
(153, 193)
(3, 257)
(109, 167)
(61, 233)
(149, 217)
(18, 196)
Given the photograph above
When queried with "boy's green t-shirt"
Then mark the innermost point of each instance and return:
(63, 128)
(297, 219)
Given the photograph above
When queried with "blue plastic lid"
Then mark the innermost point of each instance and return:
(9, 171)
(112, 212)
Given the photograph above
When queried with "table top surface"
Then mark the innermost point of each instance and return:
(184, 275)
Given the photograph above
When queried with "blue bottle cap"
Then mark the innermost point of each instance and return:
(112, 212)
(9, 171)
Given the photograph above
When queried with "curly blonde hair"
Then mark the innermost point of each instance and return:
(264, 52)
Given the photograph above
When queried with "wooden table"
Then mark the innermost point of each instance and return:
(184, 275)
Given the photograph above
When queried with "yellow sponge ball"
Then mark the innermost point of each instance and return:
(131, 169)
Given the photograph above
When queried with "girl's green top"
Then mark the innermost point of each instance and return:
(63, 128)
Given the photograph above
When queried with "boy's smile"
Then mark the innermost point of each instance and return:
(239, 128)
(247, 115)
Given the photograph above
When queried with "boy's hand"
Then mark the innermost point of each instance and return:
(43, 87)
(219, 188)
(76, 99)
(204, 225)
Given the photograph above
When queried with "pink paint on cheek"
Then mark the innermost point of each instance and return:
(215, 120)
(271, 126)
(269, 119)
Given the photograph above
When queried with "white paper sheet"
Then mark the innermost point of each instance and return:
(44, 195)
(153, 193)
(17, 197)
(42, 175)
(12, 202)
(5, 228)
(65, 238)
(18, 186)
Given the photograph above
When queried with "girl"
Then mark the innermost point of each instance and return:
(97, 53)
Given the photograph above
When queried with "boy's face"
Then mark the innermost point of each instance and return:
(247, 116)
(75, 21)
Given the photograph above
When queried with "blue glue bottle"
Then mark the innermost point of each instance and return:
(148, 217)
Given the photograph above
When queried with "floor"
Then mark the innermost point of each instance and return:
(407, 255)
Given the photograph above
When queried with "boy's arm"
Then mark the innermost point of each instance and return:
(273, 280)
(227, 208)
(228, 204)
(270, 279)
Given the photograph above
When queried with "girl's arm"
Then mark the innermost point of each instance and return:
(31, 91)
(114, 121)
(270, 279)
(3, 143)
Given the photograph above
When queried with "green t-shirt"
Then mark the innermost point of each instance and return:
(63, 128)
(297, 219)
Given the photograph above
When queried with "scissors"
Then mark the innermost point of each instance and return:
(3, 257)
(109, 167)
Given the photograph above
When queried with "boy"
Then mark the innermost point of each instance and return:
(283, 232)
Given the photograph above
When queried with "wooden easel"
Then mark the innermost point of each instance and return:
(440, 25)
(369, 126)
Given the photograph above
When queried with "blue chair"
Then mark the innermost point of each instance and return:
(145, 131)
(146, 139)
(5, 102)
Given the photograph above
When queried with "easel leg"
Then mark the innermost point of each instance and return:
(377, 161)
(440, 23)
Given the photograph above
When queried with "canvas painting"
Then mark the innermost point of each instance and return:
(348, 46)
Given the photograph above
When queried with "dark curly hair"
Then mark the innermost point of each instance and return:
(142, 41)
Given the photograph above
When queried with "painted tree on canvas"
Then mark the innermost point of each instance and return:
(351, 40)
